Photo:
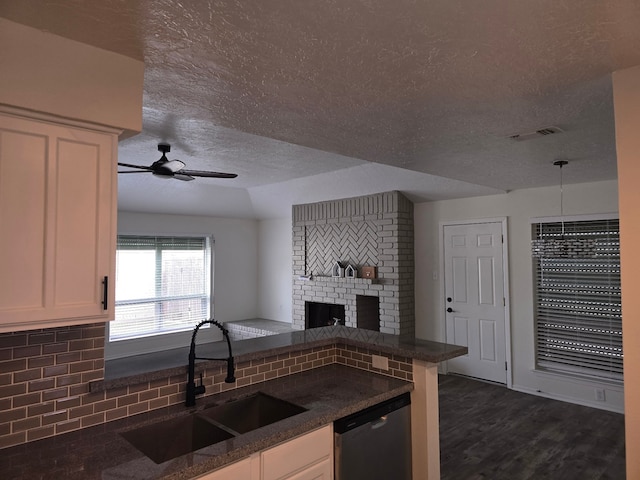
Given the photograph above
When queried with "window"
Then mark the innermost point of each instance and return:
(162, 285)
(578, 310)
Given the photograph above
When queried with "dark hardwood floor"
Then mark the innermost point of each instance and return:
(490, 432)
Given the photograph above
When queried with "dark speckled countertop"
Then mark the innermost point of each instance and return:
(100, 452)
(250, 349)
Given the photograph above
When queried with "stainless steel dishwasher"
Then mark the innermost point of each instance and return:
(375, 444)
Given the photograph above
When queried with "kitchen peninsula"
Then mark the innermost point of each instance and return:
(329, 371)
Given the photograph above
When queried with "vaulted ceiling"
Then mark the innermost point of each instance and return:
(310, 100)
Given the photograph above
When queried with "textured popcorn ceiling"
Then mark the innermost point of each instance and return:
(284, 92)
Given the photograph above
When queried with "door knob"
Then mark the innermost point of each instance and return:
(449, 310)
(449, 299)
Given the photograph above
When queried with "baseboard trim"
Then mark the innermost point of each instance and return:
(574, 400)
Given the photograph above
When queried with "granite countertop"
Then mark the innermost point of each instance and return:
(100, 452)
(254, 348)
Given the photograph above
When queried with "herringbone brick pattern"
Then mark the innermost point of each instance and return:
(353, 243)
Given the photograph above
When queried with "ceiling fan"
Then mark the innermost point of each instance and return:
(165, 168)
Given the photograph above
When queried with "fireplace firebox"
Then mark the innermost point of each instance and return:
(368, 312)
(323, 314)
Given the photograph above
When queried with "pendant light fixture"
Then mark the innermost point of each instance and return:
(552, 241)
(548, 242)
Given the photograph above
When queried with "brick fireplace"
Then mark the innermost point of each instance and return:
(373, 230)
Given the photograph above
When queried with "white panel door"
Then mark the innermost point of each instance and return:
(474, 299)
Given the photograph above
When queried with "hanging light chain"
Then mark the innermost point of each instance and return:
(561, 163)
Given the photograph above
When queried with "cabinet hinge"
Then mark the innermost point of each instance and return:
(505, 366)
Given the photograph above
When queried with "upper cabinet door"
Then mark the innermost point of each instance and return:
(57, 224)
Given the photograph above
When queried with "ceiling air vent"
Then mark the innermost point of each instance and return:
(542, 132)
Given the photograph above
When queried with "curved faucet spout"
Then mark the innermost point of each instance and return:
(192, 388)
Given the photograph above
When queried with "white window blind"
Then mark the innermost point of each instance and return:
(578, 308)
(162, 285)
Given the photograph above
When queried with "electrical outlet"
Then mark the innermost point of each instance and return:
(380, 362)
(600, 395)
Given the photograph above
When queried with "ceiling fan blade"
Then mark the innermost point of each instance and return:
(141, 167)
(201, 173)
(135, 171)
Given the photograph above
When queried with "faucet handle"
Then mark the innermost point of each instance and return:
(200, 389)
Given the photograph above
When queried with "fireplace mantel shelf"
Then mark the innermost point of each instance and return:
(328, 279)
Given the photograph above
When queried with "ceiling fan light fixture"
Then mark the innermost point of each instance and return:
(164, 176)
(182, 176)
(167, 167)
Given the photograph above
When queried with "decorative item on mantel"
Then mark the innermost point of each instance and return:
(369, 272)
(351, 271)
(337, 270)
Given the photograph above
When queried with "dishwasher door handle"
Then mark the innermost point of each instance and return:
(381, 422)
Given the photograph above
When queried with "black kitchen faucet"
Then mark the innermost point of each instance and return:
(192, 388)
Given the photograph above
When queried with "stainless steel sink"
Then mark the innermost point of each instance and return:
(169, 439)
(252, 412)
(172, 438)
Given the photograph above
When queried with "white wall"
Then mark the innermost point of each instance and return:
(518, 206)
(275, 270)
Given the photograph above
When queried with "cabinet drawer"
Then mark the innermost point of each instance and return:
(242, 470)
(319, 471)
(297, 454)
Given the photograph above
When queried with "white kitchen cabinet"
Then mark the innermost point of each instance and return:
(306, 457)
(57, 223)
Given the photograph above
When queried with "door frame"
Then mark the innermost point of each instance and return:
(505, 273)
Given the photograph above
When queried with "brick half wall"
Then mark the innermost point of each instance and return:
(45, 375)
